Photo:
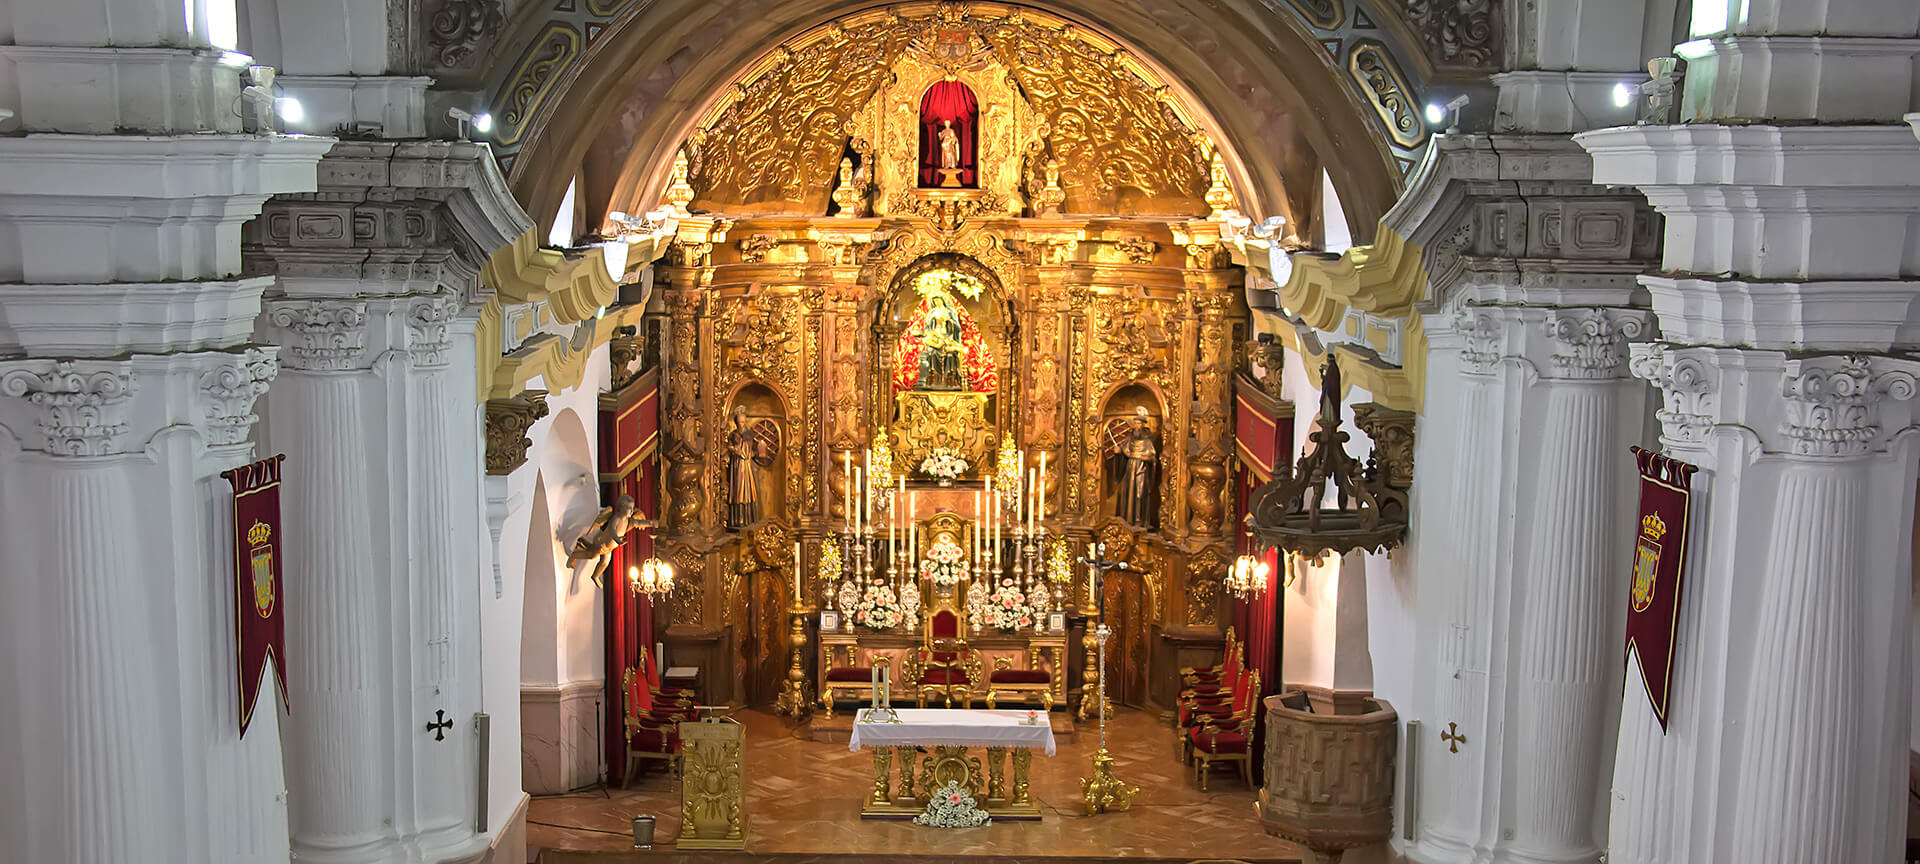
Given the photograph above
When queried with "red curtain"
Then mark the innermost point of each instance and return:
(953, 102)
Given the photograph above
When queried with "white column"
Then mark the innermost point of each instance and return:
(1568, 642)
(383, 456)
(128, 386)
(1782, 240)
(1465, 363)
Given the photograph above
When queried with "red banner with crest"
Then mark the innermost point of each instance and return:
(259, 622)
(1659, 571)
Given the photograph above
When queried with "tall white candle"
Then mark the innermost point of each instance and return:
(866, 491)
(846, 501)
(1041, 492)
(796, 573)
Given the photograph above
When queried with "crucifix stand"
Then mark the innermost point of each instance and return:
(1103, 791)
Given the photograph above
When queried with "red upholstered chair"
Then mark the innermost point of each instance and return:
(1213, 679)
(668, 701)
(1195, 713)
(1227, 738)
(1029, 683)
(651, 735)
(855, 682)
(947, 666)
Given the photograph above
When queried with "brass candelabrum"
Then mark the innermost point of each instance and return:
(1103, 791)
(793, 701)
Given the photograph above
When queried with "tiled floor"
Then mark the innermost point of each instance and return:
(803, 799)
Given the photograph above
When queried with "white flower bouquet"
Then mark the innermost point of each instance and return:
(943, 464)
(945, 564)
(878, 608)
(1006, 609)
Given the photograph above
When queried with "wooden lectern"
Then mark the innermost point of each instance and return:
(712, 785)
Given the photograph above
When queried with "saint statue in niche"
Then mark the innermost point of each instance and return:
(750, 447)
(949, 145)
(1135, 467)
(949, 136)
(940, 346)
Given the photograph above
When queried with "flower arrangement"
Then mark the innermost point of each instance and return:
(943, 464)
(1059, 563)
(1005, 609)
(945, 563)
(878, 608)
(830, 562)
(952, 807)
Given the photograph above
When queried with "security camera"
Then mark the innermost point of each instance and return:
(6, 114)
(1458, 102)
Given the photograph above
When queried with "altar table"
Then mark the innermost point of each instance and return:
(949, 732)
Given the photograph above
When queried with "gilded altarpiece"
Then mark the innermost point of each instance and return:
(806, 303)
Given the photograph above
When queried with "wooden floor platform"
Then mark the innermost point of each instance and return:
(804, 798)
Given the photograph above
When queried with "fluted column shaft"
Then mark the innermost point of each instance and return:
(1567, 650)
(335, 619)
(1801, 787)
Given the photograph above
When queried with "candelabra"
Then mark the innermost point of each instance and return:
(1103, 791)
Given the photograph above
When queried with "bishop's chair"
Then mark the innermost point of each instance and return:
(945, 665)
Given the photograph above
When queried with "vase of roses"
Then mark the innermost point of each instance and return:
(945, 564)
(1005, 609)
(878, 608)
(944, 464)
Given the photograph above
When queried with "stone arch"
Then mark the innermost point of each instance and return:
(1250, 65)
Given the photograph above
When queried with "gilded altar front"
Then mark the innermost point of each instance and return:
(826, 304)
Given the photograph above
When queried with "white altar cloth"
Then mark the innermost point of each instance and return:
(954, 727)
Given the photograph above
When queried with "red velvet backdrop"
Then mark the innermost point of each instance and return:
(629, 435)
(1262, 440)
(949, 100)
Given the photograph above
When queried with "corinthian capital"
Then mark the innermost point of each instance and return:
(1591, 343)
(1833, 404)
(81, 404)
(320, 335)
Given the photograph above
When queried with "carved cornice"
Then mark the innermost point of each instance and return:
(320, 335)
(81, 404)
(230, 390)
(458, 29)
(507, 423)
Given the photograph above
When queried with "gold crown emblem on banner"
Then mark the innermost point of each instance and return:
(1652, 527)
(258, 534)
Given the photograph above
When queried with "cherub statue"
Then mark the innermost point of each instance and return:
(603, 536)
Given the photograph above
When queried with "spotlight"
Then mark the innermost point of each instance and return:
(290, 109)
(6, 114)
(1435, 114)
(1622, 96)
(482, 123)
(1454, 107)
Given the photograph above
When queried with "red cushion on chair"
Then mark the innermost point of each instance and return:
(1218, 742)
(944, 625)
(1019, 676)
(943, 676)
(850, 673)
